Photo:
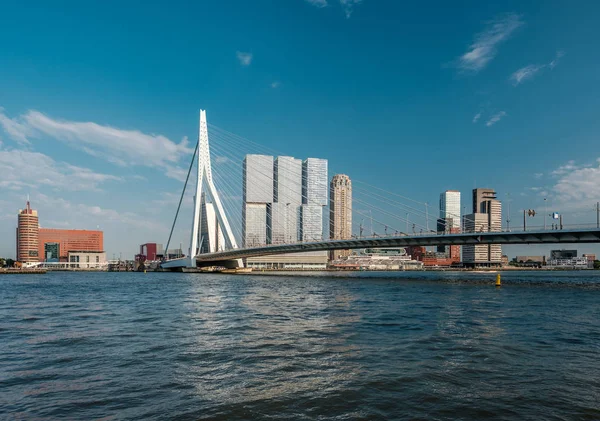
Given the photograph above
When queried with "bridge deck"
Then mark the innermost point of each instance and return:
(533, 237)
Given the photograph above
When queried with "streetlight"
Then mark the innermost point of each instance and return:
(545, 212)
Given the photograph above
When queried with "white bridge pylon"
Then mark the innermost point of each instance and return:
(204, 183)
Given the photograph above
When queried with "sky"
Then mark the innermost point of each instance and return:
(99, 103)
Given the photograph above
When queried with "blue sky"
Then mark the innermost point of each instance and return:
(98, 99)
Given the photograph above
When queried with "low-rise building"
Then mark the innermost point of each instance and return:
(87, 259)
(378, 259)
(310, 260)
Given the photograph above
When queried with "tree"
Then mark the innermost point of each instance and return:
(2, 262)
(10, 263)
(596, 264)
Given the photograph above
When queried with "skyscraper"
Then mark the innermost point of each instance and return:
(340, 212)
(257, 194)
(449, 220)
(487, 217)
(284, 215)
(314, 178)
(314, 198)
(28, 235)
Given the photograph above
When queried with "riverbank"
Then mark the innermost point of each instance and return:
(15, 271)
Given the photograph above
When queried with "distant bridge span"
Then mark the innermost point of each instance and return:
(520, 237)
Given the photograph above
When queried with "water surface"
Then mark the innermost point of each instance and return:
(155, 346)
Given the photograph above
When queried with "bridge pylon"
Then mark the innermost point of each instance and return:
(205, 184)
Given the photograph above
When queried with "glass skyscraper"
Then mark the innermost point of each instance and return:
(257, 194)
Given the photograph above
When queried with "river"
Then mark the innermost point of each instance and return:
(408, 345)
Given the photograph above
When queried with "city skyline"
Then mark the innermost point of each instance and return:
(514, 102)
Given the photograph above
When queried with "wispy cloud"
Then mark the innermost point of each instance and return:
(525, 73)
(28, 170)
(347, 5)
(553, 63)
(276, 84)
(538, 175)
(245, 59)
(485, 47)
(317, 3)
(528, 72)
(118, 146)
(15, 129)
(578, 186)
(495, 118)
(567, 168)
(476, 118)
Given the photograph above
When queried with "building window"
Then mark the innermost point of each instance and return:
(97, 259)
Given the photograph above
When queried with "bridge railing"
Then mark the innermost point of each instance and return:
(512, 229)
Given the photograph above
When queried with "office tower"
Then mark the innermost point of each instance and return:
(449, 220)
(257, 193)
(314, 181)
(283, 216)
(287, 180)
(28, 235)
(314, 198)
(311, 217)
(487, 217)
(211, 236)
(340, 212)
(481, 195)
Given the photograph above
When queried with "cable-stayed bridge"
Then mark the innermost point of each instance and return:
(401, 221)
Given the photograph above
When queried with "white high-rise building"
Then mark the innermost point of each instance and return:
(449, 220)
(257, 195)
(311, 222)
(450, 209)
(284, 216)
(314, 181)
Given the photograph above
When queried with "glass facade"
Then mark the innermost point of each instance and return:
(314, 186)
(258, 179)
(287, 172)
(450, 209)
(312, 222)
(254, 224)
(51, 252)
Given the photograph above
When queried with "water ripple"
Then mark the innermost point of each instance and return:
(130, 346)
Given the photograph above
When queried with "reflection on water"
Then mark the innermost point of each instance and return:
(346, 346)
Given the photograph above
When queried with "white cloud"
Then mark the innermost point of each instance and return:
(276, 84)
(567, 168)
(317, 3)
(485, 46)
(118, 146)
(495, 118)
(538, 175)
(577, 186)
(525, 73)
(72, 212)
(554, 62)
(244, 58)
(16, 130)
(528, 72)
(26, 170)
(476, 118)
(347, 5)
(221, 159)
